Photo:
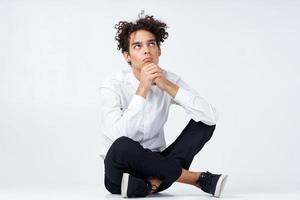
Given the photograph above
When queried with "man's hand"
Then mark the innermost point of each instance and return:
(152, 74)
(148, 74)
(164, 84)
(160, 79)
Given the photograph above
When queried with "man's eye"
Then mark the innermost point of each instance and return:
(136, 46)
(152, 43)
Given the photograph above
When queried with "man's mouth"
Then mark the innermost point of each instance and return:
(147, 60)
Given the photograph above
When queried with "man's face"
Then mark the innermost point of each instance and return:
(142, 49)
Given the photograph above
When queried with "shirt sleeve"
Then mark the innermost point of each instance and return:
(117, 121)
(195, 105)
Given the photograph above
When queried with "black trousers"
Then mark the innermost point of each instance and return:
(128, 156)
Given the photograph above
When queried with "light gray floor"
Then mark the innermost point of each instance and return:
(97, 193)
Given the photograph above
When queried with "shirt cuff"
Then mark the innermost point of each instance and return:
(137, 102)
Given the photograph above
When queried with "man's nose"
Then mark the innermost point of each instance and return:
(146, 50)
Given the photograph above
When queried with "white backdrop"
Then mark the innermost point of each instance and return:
(242, 56)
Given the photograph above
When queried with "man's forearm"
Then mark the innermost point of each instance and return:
(168, 86)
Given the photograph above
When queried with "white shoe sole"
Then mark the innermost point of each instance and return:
(124, 184)
(220, 185)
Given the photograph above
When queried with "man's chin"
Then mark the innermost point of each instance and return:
(146, 63)
(149, 62)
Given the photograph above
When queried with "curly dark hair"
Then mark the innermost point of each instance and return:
(148, 23)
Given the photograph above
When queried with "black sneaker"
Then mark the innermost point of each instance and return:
(134, 187)
(212, 183)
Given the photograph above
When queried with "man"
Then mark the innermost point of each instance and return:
(134, 108)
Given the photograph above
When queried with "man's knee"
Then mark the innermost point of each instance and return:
(117, 150)
(211, 131)
(123, 146)
(207, 129)
(122, 143)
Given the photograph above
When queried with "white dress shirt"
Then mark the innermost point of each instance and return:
(123, 113)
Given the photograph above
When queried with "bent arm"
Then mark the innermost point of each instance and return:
(117, 121)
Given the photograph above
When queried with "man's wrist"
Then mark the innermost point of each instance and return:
(161, 83)
(142, 91)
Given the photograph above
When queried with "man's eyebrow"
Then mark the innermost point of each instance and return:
(152, 40)
(134, 43)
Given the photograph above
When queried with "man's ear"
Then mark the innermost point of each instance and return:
(126, 55)
(159, 51)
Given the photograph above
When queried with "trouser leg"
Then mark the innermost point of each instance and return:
(128, 156)
(187, 145)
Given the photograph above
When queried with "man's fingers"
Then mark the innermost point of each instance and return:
(151, 71)
(148, 65)
(155, 70)
(155, 75)
(152, 67)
